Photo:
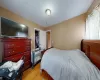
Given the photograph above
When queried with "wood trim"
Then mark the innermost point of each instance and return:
(46, 76)
(50, 39)
(92, 50)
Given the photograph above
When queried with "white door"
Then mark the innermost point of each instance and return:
(43, 39)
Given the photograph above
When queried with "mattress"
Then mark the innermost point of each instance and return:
(69, 65)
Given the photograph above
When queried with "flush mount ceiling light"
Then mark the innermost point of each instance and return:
(48, 12)
(23, 26)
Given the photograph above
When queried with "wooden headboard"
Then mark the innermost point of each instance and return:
(92, 50)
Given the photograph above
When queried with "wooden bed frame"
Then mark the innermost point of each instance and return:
(91, 48)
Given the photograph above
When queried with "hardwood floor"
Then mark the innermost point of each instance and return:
(32, 74)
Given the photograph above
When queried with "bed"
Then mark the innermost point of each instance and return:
(73, 64)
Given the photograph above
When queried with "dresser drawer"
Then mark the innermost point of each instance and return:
(27, 64)
(22, 48)
(27, 55)
(26, 42)
(13, 58)
(28, 48)
(16, 44)
(16, 50)
(8, 45)
(9, 52)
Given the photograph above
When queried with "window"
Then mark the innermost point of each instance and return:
(93, 25)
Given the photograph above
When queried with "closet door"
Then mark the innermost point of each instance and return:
(43, 39)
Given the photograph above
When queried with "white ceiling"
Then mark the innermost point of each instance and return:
(34, 10)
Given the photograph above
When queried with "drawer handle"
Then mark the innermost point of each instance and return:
(12, 44)
(13, 58)
(18, 46)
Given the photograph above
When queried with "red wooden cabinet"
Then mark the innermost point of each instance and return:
(15, 48)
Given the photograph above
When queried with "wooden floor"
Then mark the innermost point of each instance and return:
(32, 74)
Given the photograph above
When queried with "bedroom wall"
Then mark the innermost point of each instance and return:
(12, 16)
(68, 34)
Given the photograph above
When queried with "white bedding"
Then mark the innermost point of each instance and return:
(69, 65)
(12, 65)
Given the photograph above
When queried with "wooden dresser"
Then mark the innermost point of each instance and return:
(14, 48)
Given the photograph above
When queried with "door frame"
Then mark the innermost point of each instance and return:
(50, 38)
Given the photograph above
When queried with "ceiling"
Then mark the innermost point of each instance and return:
(34, 10)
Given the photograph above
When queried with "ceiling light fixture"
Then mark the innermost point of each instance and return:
(22, 25)
(48, 12)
